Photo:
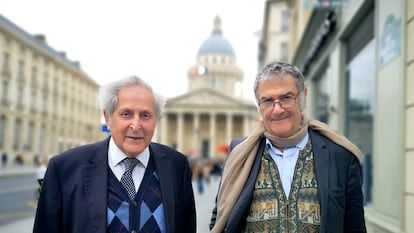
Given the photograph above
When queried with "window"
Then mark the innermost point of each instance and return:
(19, 96)
(56, 85)
(284, 51)
(22, 50)
(41, 143)
(44, 103)
(323, 92)
(45, 80)
(4, 92)
(17, 127)
(34, 75)
(7, 41)
(30, 135)
(20, 71)
(2, 130)
(360, 103)
(6, 61)
(33, 100)
(285, 21)
(52, 142)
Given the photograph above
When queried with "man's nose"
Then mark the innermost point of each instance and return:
(135, 124)
(277, 107)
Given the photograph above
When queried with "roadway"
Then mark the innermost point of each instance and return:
(18, 200)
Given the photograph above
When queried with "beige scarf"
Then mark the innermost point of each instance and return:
(240, 162)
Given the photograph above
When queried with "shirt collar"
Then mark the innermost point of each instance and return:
(116, 156)
(300, 145)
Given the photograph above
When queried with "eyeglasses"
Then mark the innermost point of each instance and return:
(286, 101)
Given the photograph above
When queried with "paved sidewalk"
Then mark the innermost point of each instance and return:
(204, 205)
(20, 226)
(16, 170)
(24, 225)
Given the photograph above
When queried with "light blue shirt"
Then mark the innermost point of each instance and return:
(286, 161)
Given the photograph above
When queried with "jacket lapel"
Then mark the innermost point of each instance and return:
(242, 207)
(95, 184)
(165, 172)
(321, 159)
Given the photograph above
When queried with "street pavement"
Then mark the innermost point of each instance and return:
(204, 204)
(25, 224)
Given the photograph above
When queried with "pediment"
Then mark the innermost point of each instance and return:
(205, 97)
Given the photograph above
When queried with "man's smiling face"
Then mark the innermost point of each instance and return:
(133, 121)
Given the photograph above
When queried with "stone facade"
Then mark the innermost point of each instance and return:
(47, 102)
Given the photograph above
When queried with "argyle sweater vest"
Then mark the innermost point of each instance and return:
(270, 211)
(143, 214)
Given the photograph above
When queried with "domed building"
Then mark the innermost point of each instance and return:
(203, 121)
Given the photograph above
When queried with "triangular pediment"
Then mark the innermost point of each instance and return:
(206, 97)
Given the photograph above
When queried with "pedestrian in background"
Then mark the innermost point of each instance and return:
(200, 181)
(125, 183)
(293, 173)
(41, 166)
(4, 158)
(19, 160)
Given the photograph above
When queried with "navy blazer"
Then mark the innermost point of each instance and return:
(338, 173)
(73, 196)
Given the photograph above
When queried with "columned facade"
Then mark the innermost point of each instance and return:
(203, 134)
(202, 122)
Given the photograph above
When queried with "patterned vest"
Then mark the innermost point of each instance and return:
(270, 211)
(143, 214)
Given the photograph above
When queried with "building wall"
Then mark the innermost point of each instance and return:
(392, 206)
(408, 194)
(385, 215)
(221, 72)
(300, 18)
(48, 104)
(275, 34)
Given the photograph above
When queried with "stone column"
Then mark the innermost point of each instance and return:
(24, 125)
(229, 127)
(8, 135)
(156, 136)
(196, 134)
(212, 135)
(164, 129)
(180, 130)
(245, 125)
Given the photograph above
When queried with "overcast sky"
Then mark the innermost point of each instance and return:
(157, 40)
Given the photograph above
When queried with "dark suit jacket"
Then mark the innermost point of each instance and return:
(73, 197)
(339, 188)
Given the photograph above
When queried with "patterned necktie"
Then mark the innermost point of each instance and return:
(126, 178)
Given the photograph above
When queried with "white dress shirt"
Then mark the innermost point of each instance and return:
(116, 164)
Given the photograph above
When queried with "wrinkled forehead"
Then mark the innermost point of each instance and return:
(277, 86)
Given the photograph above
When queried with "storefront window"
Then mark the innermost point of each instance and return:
(322, 94)
(360, 104)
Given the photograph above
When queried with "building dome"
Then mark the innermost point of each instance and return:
(216, 43)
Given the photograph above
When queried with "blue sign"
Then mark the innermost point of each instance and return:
(390, 40)
(105, 129)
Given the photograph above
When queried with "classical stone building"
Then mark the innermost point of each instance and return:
(202, 122)
(47, 102)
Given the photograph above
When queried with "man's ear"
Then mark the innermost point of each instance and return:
(107, 120)
(303, 100)
(305, 93)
